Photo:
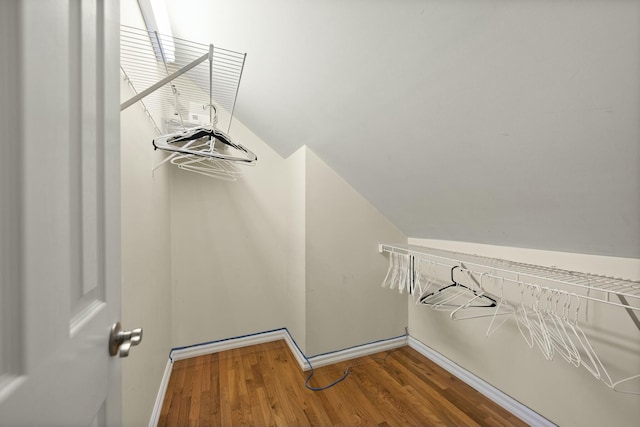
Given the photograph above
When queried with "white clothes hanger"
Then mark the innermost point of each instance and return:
(561, 316)
(619, 386)
(585, 345)
(194, 149)
(468, 305)
(504, 308)
(176, 143)
(445, 294)
(541, 333)
(557, 332)
(443, 298)
(628, 385)
(402, 278)
(396, 271)
(399, 276)
(522, 319)
(208, 167)
(385, 281)
(426, 281)
(416, 285)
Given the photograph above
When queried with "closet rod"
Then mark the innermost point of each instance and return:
(167, 79)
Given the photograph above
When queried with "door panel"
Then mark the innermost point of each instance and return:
(60, 253)
(10, 210)
(87, 146)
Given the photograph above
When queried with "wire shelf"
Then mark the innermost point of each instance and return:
(626, 292)
(148, 57)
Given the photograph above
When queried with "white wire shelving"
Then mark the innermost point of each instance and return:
(186, 88)
(548, 318)
(613, 291)
(195, 76)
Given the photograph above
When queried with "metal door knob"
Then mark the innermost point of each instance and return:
(120, 341)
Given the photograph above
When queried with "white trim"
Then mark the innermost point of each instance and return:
(297, 353)
(358, 351)
(507, 402)
(157, 407)
(283, 334)
(229, 344)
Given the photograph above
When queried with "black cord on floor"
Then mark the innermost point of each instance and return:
(344, 376)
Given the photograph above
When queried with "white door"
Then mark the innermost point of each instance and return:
(60, 212)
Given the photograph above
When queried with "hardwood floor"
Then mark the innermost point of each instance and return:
(263, 385)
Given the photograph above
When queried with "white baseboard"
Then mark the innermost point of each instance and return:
(229, 344)
(283, 334)
(354, 352)
(507, 402)
(295, 350)
(157, 407)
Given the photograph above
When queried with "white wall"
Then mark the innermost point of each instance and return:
(146, 272)
(296, 259)
(504, 122)
(288, 245)
(230, 249)
(345, 304)
(566, 395)
(146, 263)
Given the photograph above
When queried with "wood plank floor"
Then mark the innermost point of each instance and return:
(263, 385)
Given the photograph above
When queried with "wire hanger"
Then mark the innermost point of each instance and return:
(595, 366)
(194, 149)
(436, 299)
(547, 317)
(557, 333)
(466, 310)
(386, 282)
(426, 281)
(504, 308)
(179, 143)
(531, 319)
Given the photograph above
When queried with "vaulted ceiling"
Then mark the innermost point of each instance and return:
(502, 122)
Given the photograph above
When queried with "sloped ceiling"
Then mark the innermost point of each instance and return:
(502, 122)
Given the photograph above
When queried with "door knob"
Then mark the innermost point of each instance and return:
(121, 341)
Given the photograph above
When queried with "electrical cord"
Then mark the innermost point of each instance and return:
(344, 376)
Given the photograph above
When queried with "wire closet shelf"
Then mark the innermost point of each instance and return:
(146, 57)
(184, 85)
(613, 291)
